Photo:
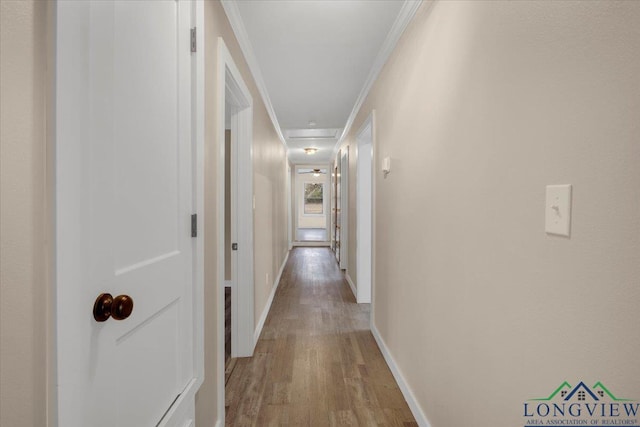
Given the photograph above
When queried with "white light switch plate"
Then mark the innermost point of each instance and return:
(386, 165)
(558, 210)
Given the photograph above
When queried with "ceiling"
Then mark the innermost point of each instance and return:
(314, 61)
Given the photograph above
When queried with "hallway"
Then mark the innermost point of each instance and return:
(316, 362)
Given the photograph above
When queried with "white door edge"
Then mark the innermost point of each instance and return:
(364, 214)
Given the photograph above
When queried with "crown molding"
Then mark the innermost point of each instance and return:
(405, 15)
(235, 19)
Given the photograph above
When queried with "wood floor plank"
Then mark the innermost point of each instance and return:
(316, 362)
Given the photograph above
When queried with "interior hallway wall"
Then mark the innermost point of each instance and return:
(270, 220)
(24, 223)
(481, 105)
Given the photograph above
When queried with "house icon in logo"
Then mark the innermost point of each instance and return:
(581, 392)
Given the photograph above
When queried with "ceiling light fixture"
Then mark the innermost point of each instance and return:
(310, 150)
(316, 174)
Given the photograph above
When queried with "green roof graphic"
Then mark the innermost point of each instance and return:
(552, 395)
(601, 386)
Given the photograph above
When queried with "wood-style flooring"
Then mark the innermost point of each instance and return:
(316, 363)
(312, 234)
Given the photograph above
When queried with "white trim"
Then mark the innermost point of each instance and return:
(351, 285)
(344, 209)
(303, 243)
(405, 15)
(267, 307)
(237, 25)
(218, 423)
(416, 410)
(289, 209)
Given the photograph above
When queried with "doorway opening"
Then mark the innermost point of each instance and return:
(235, 217)
(364, 211)
(311, 195)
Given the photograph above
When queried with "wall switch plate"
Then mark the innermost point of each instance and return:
(558, 210)
(386, 165)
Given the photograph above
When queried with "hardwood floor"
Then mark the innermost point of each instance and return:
(316, 363)
(312, 234)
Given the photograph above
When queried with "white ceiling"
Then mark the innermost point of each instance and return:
(314, 60)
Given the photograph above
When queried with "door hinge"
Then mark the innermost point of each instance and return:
(234, 246)
(194, 225)
(194, 45)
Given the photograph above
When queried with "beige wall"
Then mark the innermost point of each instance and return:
(270, 235)
(23, 223)
(270, 216)
(482, 105)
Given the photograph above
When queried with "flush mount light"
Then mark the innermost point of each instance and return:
(310, 150)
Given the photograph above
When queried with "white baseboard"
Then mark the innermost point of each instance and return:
(352, 285)
(302, 243)
(416, 410)
(267, 306)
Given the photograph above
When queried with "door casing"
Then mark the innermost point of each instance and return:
(231, 89)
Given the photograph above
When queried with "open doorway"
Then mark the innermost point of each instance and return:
(312, 195)
(234, 181)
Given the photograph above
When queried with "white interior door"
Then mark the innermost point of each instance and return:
(125, 195)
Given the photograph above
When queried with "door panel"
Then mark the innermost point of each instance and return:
(124, 201)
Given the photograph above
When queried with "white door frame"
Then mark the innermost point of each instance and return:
(231, 87)
(197, 137)
(289, 206)
(344, 208)
(364, 209)
(298, 185)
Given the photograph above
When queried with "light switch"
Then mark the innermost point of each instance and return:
(558, 210)
(386, 165)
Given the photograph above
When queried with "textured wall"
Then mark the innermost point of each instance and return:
(481, 105)
(23, 223)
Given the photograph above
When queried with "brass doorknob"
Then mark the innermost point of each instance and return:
(122, 307)
(107, 306)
